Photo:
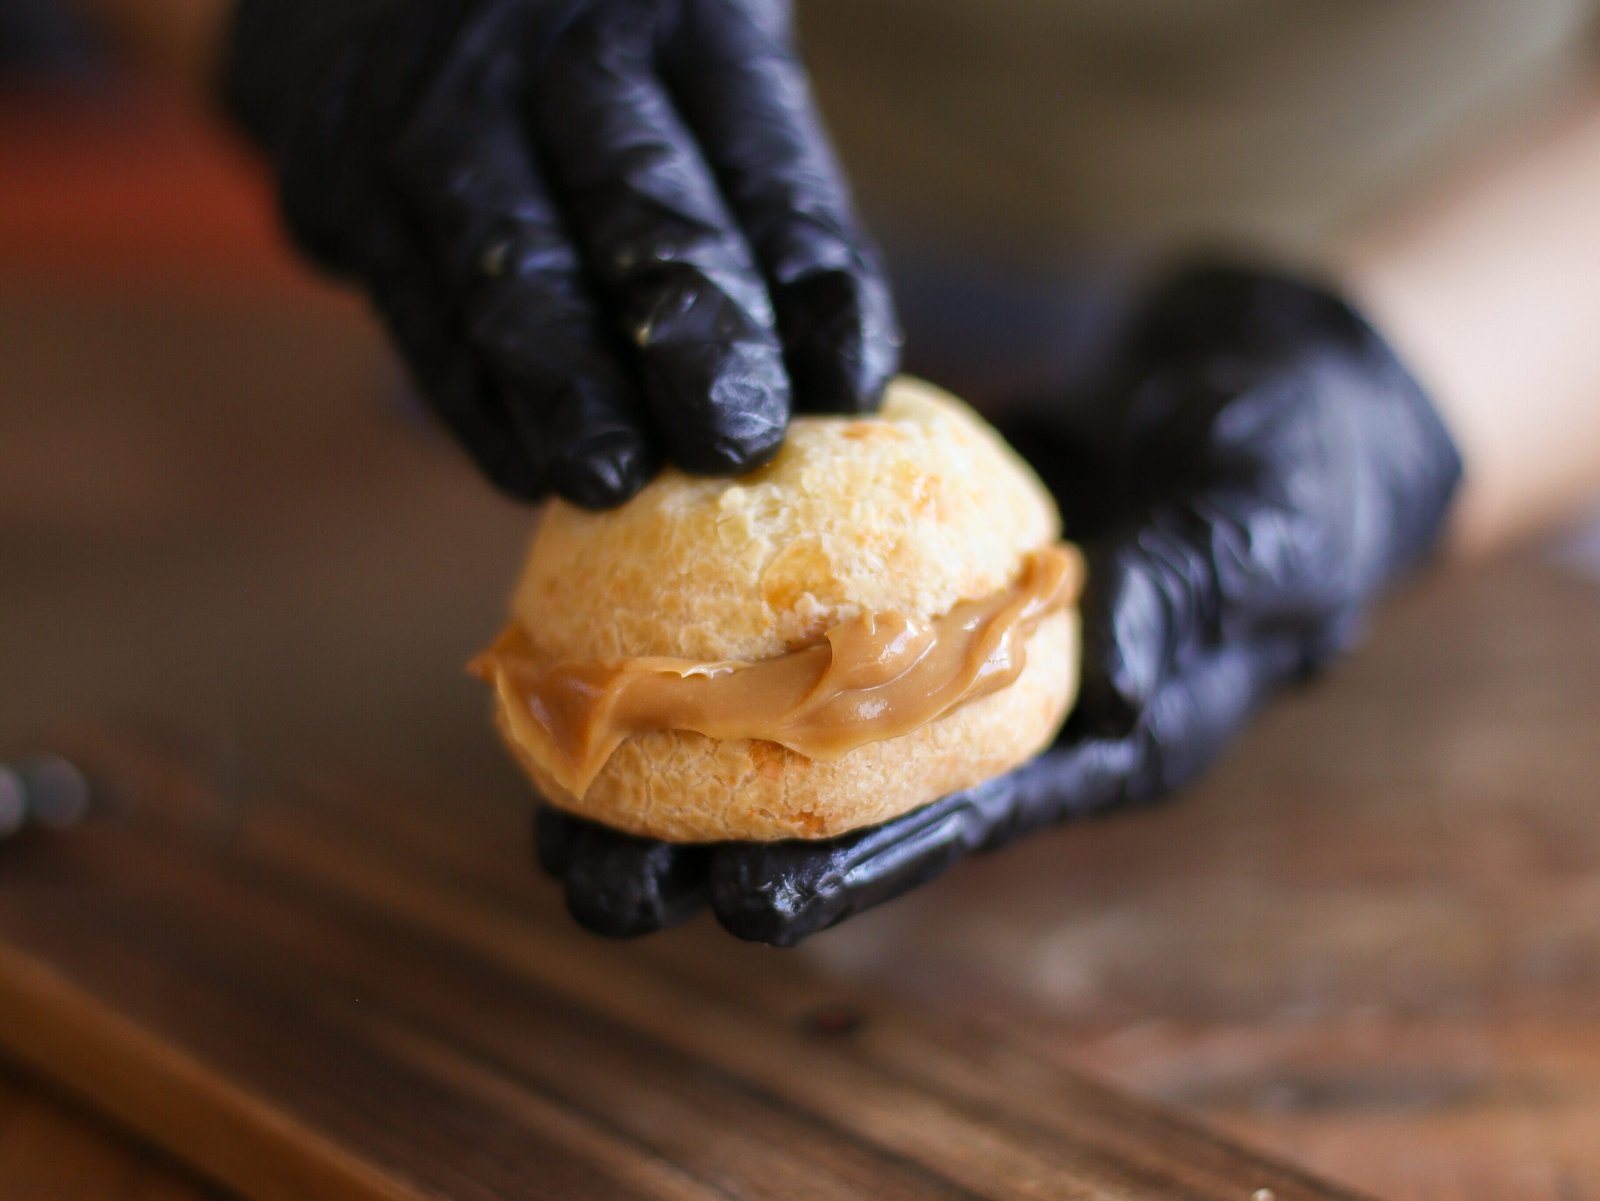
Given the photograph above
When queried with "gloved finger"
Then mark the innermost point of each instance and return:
(619, 885)
(781, 893)
(555, 836)
(516, 282)
(408, 295)
(735, 75)
(663, 246)
(1189, 576)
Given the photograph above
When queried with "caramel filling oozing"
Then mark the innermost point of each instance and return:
(872, 677)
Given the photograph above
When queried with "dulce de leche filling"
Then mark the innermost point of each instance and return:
(872, 677)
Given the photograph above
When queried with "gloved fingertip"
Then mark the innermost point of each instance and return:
(720, 396)
(604, 471)
(834, 380)
(554, 837)
(740, 426)
(757, 897)
(624, 888)
(842, 341)
(738, 454)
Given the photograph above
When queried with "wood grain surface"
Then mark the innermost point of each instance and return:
(52, 1149)
(336, 997)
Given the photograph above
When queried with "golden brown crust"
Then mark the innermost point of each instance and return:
(911, 510)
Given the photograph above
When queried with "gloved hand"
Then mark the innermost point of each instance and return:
(1258, 468)
(601, 231)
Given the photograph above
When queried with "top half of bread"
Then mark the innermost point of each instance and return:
(911, 510)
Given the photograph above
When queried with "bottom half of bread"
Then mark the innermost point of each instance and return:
(685, 787)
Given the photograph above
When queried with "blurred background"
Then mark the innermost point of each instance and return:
(223, 522)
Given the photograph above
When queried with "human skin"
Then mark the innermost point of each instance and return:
(1487, 288)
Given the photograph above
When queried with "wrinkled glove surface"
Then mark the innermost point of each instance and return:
(1256, 470)
(601, 232)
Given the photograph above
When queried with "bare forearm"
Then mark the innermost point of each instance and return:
(1490, 289)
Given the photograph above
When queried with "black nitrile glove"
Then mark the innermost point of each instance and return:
(1256, 472)
(601, 231)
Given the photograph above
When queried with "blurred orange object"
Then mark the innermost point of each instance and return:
(122, 188)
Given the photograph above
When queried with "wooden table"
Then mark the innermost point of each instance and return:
(1369, 943)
